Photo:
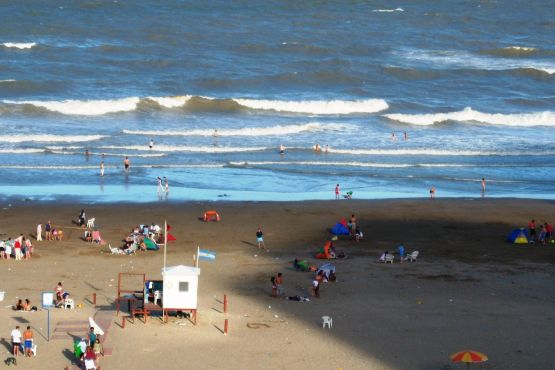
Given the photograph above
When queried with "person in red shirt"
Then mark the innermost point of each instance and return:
(548, 232)
(532, 230)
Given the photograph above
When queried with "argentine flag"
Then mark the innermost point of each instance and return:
(204, 254)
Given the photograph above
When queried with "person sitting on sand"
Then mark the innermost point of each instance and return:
(19, 305)
(81, 219)
(303, 266)
(27, 305)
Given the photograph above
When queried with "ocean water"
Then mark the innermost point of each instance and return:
(472, 84)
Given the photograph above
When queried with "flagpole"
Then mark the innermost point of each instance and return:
(198, 251)
(165, 242)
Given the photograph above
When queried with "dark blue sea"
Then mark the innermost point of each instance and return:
(399, 96)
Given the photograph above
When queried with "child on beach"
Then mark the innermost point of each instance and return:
(279, 284)
(433, 192)
(260, 238)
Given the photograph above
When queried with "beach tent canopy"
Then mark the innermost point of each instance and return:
(150, 245)
(326, 253)
(211, 215)
(518, 236)
(340, 228)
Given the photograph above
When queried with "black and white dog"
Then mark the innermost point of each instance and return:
(11, 361)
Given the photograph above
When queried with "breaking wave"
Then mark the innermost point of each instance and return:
(546, 118)
(49, 138)
(322, 107)
(512, 51)
(19, 45)
(198, 103)
(388, 10)
(432, 152)
(193, 149)
(246, 131)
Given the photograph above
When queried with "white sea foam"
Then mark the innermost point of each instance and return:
(21, 151)
(427, 152)
(69, 152)
(321, 107)
(8, 80)
(83, 107)
(247, 131)
(315, 163)
(180, 148)
(463, 60)
(520, 48)
(20, 45)
(171, 101)
(388, 10)
(49, 138)
(546, 118)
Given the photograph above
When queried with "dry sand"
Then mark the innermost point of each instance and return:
(469, 288)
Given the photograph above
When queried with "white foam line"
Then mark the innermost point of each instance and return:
(49, 138)
(319, 107)
(201, 149)
(19, 45)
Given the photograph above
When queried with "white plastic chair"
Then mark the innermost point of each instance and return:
(389, 258)
(34, 349)
(90, 222)
(69, 304)
(412, 256)
(326, 320)
(157, 296)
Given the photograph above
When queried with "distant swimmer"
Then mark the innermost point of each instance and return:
(87, 153)
(215, 133)
(393, 138)
(126, 163)
(405, 135)
(281, 149)
(151, 144)
(317, 148)
(326, 148)
(102, 168)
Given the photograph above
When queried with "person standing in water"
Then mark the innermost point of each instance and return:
(393, 138)
(281, 149)
(337, 191)
(483, 186)
(159, 189)
(126, 164)
(101, 168)
(405, 135)
(151, 144)
(166, 185)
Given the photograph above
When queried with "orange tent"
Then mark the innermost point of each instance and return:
(211, 216)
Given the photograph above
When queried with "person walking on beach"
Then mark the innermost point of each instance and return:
(16, 340)
(39, 232)
(433, 192)
(101, 168)
(159, 189)
(337, 191)
(260, 238)
(126, 164)
(166, 185)
(48, 230)
(483, 186)
(279, 283)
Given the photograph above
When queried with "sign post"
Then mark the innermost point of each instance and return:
(47, 303)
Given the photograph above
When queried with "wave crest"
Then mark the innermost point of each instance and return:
(388, 10)
(546, 118)
(19, 45)
(321, 107)
(247, 131)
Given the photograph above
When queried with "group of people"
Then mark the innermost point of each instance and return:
(140, 236)
(28, 342)
(89, 349)
(545, 234)
(19, 248)
(50, 232)
(354, 229)
(163, 186)
(22, 305)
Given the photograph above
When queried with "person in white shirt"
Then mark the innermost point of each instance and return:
(16, 340)
(39, 232)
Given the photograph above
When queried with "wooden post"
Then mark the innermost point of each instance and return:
(94, 299)
(225, 326)
(225, 303)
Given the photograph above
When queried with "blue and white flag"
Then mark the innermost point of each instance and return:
(204, 254)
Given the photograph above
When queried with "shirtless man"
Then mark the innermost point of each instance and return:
(126, 164)
(101, 168)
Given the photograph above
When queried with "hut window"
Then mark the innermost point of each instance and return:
(183, 286)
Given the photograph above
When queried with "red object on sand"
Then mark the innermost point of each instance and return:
(168, 227)
(171, 237)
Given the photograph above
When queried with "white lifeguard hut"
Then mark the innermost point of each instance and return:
(180, 288)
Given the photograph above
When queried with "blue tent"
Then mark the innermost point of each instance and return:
(518, 236)
(339, 229)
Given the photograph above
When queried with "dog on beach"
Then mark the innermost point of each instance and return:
(11, 361)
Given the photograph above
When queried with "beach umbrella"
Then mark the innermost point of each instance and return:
(469, 357)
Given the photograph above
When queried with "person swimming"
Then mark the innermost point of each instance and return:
(281, 149)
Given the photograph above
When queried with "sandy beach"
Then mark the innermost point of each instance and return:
(469, 289)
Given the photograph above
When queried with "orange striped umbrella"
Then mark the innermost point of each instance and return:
(468, 356)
